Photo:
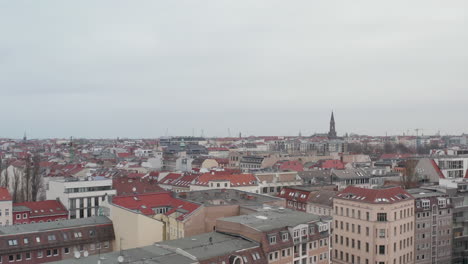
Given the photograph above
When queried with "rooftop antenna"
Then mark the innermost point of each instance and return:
(229, 132)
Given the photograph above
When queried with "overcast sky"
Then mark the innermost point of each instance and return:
(150, 68)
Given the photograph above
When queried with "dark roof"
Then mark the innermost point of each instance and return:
(56, 225)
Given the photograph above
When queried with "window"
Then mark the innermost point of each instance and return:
(49, 253)
(382, 217)
(78, 234)
(38, 239)
(284, 236)
(40, 254)
(382, 250)
(272, 239)
(382, 233)
(92, 233)
(28, 255)
(7, 212)
(18, 216)
(106, 245)
(12, 242)
(25, 240)
(25, 216)
(51, 237)
(65, 236)
(66, 250)
(55, 252)
(19, 257)
(92, 247)
(11, 258)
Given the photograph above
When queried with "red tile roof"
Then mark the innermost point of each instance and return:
(332, 164)
(185, 180)
(136, 175)
(4, 194)
(171, 177)
(124, 155)
(235, 179)
(126, 186)
(145, 203)
(44, 208)
(292, 165)
(378, 196)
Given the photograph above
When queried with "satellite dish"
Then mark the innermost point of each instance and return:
(86, 253)
(77, 254)
(120, 259)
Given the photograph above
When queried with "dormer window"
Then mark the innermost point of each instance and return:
(322, 227)
(272, 239)
(426, 204)
(442, 202)
(285, 236)
(311, 229)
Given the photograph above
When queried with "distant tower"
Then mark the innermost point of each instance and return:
(25, 137)
(332, 132)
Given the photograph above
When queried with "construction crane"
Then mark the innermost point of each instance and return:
(417, 131)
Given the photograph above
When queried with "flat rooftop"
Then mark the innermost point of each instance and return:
(228, 196)
(181, 251)
(425, 193)
(274, 219)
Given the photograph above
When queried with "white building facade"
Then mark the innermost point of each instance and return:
(81, 197)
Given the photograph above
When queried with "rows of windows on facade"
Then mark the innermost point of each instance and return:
(39, 254)
(7, 213)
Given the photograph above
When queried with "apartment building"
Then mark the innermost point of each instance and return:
(311, 199)
(433, 226)
(271, 183)
(6, 205)
(81, 197)
(373, 226)
(285, 236)
(54, 241)
(206, 248)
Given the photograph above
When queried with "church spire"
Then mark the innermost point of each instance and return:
(332, 131)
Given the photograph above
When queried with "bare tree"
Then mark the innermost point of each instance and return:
(410, 178)
(6, 178)
(26, 181)
(36, 178)
(16, 186)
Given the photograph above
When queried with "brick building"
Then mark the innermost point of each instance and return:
(39, 212)
(54, 241)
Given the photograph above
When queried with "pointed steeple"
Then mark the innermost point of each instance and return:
(332, 131)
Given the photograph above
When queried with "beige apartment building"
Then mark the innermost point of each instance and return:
(373, 226)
